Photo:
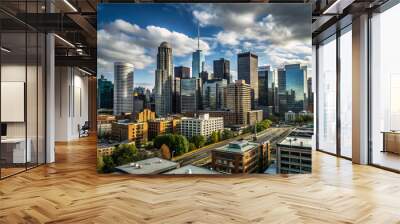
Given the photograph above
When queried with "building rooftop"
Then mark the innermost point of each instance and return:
(296, 142)
(238, 147)
(190, 169)
(202, 117)
(148, 166)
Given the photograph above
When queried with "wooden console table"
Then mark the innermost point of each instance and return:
(391, 141)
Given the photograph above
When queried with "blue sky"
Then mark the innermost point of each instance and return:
(278, 33)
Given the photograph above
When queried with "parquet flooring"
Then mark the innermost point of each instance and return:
(70, 191)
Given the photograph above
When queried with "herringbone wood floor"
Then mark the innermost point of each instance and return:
(70, 191)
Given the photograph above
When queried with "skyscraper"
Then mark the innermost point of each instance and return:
(214, 94)
(238, 99)
(176, 101)
(198, 59)
(123, 88)
(222, 69)
(105, 93)
(295, 87)
(247, 70)
(266, 86)
(190, 95)
(310, 96)
(163, 81)
(282, 93)
(182, 72)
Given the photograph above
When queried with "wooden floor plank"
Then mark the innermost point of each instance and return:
(70, 191)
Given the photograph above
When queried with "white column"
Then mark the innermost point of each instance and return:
(360, 89)
(50, 99)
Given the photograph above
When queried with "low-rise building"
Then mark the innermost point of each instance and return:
(162, 126)
(294, 155)
(240, 157)
(136, 132)
(203, 125)
(145, 115)
(190, 169)
(153, 165)
(254, 116)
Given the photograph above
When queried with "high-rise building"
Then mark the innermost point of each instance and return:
(203, 125)
(198, 59)
(176, 99)
(105, 93)
(214, 94)
(123, 88)
(181, 72)
(190, 95)
(282, 93)
(247, 70)
(222, 69)
(266, 86)
(238, 99)
(204, 75)
(163, 81)
(295, 87)
(310, 96)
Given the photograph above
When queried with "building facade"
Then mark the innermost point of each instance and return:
(145, 115)
(162, 126)
(240, 157)
(123, 88)
(133, 132)
(221, 69)
(176, 96)
(294, 155)
(163, 80)
(105, 93)
(198, 63)
(190, 95)
(214, 94)
(247, 70)
(238, 100)
(181, 72)
(203, 125)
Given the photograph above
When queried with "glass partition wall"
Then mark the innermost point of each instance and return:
(385, 89)
(334, 104)
(22, 95)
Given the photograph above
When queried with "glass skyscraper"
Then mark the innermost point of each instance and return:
(198, 63)
(163, 85)
(295, 82)
(214, 94)
(105, 93)
(123, 88)
(190, 94)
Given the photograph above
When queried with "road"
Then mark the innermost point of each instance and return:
(203, 155)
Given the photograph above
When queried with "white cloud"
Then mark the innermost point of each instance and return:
(227, 38)
(127, 42)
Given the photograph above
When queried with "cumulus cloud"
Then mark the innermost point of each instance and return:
(127, 42)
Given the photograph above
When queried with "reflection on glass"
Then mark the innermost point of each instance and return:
(385, 89)
(327, 96)
(346, 94)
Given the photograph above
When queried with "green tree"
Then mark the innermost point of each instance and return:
(198, 140)
(176, 143)
(192, 146)
(108, 164)
(214, 137)
(227, 134)
(124, 153)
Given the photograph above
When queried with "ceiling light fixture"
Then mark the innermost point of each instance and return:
(70, 5)
(5, 50)
(64, 40)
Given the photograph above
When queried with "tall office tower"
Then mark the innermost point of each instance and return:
(214, 94)
(282, 93)
(181, 72)
(204, 75)
(123, 88)
(222, 69)
(295, 87)
(266, 86)
(238, 99)
(198, 59)
(105, 93)
(190, 95)
(163, 84)
(176, 100)
(247, 70)
(310, 96)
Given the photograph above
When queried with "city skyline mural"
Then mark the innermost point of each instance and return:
(205, 89)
